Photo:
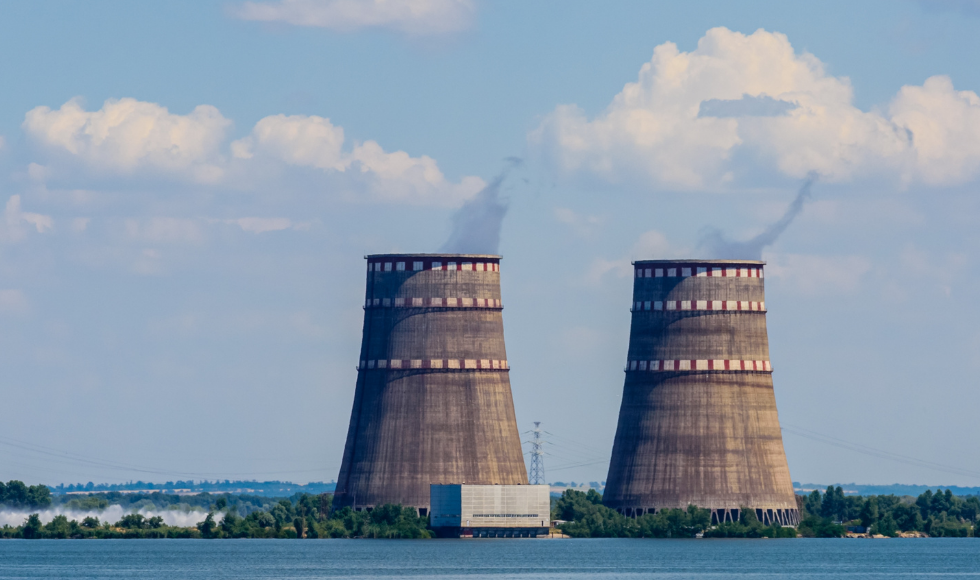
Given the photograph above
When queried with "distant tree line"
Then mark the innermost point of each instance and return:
(301, 516)
(827, 515)
(15, 494)
(277, 488)
(939, 514)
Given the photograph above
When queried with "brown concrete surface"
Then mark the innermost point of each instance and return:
(413, 427)
(708, 438)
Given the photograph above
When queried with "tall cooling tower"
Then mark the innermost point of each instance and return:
(698, 421)
(433, 401)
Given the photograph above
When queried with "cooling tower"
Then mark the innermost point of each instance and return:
(433, 401)
(698, 422)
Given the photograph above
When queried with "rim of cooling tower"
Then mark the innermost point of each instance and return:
(439, 255)
(689, 261)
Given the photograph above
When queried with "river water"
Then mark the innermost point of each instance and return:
(813, 559)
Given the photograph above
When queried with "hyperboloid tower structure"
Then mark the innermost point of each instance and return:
(698, 422)
(433, 402)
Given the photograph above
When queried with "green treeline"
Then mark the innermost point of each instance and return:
(827, 515)
(586, 517)
(17, 495)
(302, 516)
(937, 514)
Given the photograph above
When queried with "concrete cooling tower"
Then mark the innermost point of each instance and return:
(433, 402)
(698, 421)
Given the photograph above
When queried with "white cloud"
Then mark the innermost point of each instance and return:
(134, 138)
(818, 275)
(15, 218)
(295, 140)
(13, 302)
(314, 142)
(414, 17)
(655, 131)
(127, 135)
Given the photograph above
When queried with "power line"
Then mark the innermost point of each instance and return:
(874, 452)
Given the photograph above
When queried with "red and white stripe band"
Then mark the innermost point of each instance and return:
(420, 265)
(700, 305)
(701, 272)
(432, 302)
(453, 363)
(698, 365)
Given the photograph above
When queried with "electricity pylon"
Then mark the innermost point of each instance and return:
(535, 474)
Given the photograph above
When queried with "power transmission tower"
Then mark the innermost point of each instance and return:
(535, 474)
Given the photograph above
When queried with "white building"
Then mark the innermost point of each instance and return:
(494, 511)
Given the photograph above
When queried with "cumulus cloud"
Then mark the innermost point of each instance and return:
(133, 138)
(314, 142)
(681, 123)
(413, 17)
(127, 135)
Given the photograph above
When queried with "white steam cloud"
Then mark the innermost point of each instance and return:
(476, 225)
(111, 514)
(716, 246)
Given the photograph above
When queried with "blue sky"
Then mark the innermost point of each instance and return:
(188, 189)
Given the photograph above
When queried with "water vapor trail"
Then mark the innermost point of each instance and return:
(716, 246)
(111, 514)
(476, 225)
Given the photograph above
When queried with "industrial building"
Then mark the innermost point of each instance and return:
(698, 422)
(433, 400)
(490, 511)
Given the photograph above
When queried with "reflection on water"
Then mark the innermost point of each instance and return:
(498, 559)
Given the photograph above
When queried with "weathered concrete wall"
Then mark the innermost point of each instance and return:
(444, 413)
(707, 437)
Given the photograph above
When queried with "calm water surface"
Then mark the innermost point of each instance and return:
(498, 559)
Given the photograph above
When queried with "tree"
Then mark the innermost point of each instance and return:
(132, 522)
(812, 505)
(230, 523)
(208, 528)
(16, 494)
(299, 523)
(154, 522)
(311, 531)
(31, 529)
(869, 512)
(887, 526)
(833, 504)
(58, 528)
(38, 496)
(90, 522)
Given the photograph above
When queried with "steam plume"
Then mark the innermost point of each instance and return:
(716, 246)
(476, 225)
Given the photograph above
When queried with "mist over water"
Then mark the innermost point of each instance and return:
(111, 514)
(476, 225)
(714, 244)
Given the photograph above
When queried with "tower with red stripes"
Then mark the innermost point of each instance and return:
(433, 401)
(698, 422)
